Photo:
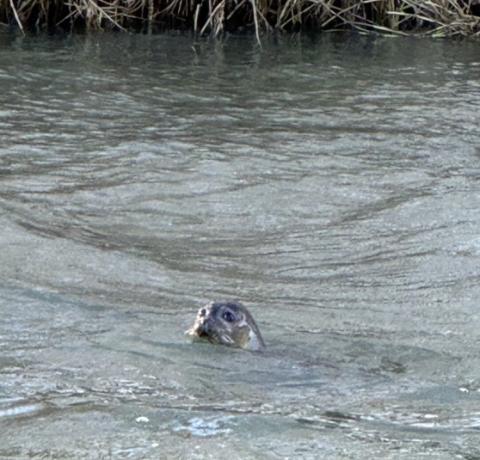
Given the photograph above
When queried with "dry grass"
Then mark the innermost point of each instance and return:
(430, 17)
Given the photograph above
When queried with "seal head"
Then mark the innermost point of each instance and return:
(227, 323)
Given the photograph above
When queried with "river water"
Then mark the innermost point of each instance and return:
(330, 183)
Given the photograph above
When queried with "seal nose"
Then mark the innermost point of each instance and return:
(203, 328)
(199, 329)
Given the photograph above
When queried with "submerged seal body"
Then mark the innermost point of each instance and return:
(227, 323)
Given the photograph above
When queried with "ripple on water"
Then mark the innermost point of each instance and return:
(208, 426)
(21, 408)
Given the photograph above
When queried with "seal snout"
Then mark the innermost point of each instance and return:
(201, 327)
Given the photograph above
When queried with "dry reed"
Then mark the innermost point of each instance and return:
(430, 17)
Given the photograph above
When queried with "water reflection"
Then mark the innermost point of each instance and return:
(327, 182)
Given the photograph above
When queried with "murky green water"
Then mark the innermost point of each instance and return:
(331, 184)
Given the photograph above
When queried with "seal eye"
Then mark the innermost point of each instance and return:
(203, 312)
(228, 316)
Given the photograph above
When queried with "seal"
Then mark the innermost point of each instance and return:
(227, 323)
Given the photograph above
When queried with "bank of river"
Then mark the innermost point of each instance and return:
(440, 18)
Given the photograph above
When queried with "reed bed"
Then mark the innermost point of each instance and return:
(401, 17)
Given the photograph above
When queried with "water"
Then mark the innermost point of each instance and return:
(330, 183)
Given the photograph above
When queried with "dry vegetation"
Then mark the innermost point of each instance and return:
(434, 17)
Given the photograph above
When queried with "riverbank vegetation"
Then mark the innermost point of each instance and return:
(404, 17)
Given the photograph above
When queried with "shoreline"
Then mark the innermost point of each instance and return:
(438, 18)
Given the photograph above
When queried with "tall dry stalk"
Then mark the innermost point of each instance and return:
(17, 18)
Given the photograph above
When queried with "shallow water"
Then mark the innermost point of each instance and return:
(330, 183)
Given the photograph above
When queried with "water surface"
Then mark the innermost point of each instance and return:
(330, 183)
